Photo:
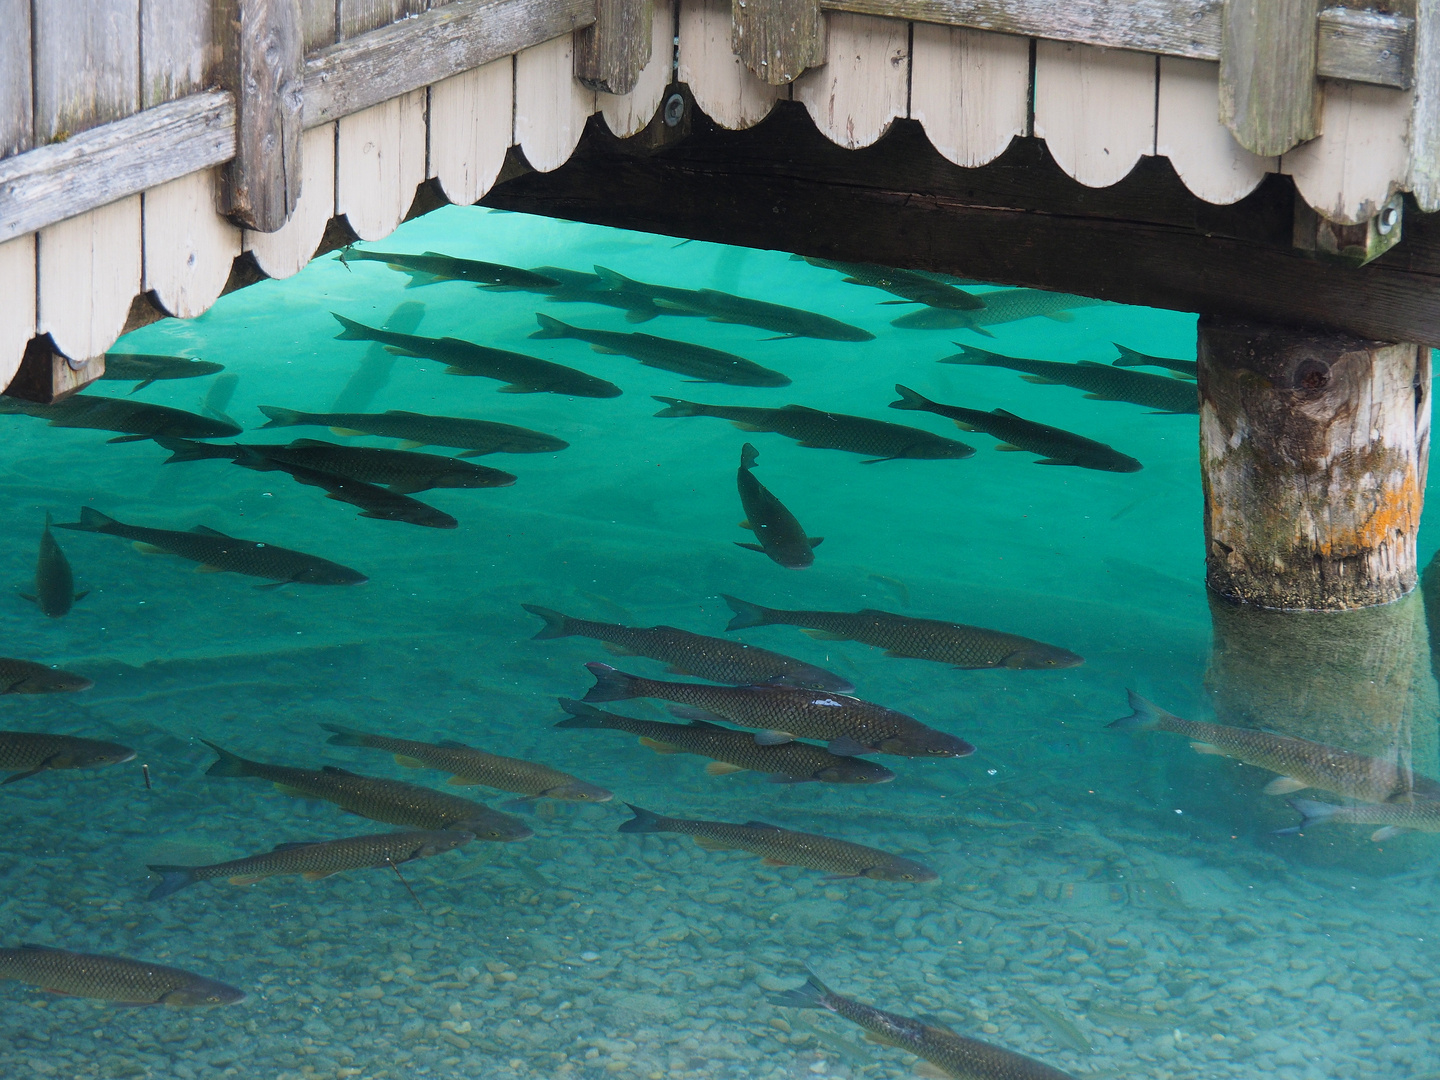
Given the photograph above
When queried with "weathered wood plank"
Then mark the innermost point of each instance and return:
(628, 113)
(317, 24)
(71, 97)
(970, 89)
(1095, 109)
(178, 53)
(285, 252)
(471, 123)
(17, 314)
(17, 101)
(1424, 179)
(778, 39)
(863, 86)
(89, 268)
(723, 86)
(1369, 46)
(1269, 97)
(551, 107)
(379, 162)
(611, 53)
(1360, 159)
(1188, 131)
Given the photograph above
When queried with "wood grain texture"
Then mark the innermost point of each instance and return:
(1371, 47)
(89, 271)
(970, 90)
(71, 97)
(1362, 158)
(628, 113)
(1269, 98)
(317, 24)
(1424, 179)
(286, 251)
(379, 162)
(178, 49)
(551, 106)
(188, 245)
(17, 314)
(471, 122)
(1188, 131)
(1095, 109)
(17, 101)
(610, 53)
(723, 86)
(778, 39)
(862, 87)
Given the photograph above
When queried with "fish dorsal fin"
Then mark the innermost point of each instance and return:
(1004, 412)
(762, 825)
(335, 770)
(205, 530)
(294, 844)
(800, 408)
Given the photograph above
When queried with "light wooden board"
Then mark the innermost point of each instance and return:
(470, 129)
(1424, 178)
(17, 314)
(1095, 109)
(17, 102)
(1361, 159)
(625, 114)
(71, 96)
(178, 52)
(379, 162)
(724, 88)
(970, 90)
(188, 246)
(862, 86)
(89, 271)
(551, 106)
(286, 251)
(1188, 131)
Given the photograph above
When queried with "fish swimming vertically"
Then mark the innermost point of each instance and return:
(113, 978)
(392, 801)
(846, 724)
(881, 440)
(215, 551)
(716, 659)
(521, 374)
(781, 535)
(920, 639)
(785, 847)
(373, 501)
(954, 1054)
(431, 266)
(1394, 818)
(466, 765)
(136, 419)
(1100, 381)
(314, 860)
(26, 753)
(1001, 306)
(732, 751)
(700, 362)
(1056, 446)
(414, 430)
(1297, 763)
(1131, 358)
(145, 368)
(28, 677)
(911, 287)
(54, 582)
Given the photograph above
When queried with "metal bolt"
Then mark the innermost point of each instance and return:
(674, 110)
(1388, 219)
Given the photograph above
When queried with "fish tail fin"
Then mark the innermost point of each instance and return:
(748, 456)
(643, 821)
(747, 614)
(968, 354)
(813, 995)
(909, 399)
(581, 715)
(556, 624)
(1129, 357)
(611, 685)
(550, 327)
(1146, 717)
(676, 407)
(91, 520)
(281, 417)
(1311, 813)
(228, 765)
(172, 880)
(344, 736)
(187, 449)
(353, 331)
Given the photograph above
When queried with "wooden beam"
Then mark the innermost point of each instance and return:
(1425, 120)
(778, 39)
(1269, 98)
(610, 54)
(1369, 46)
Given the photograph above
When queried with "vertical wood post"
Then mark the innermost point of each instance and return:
(1313, 454)
(778, 39)
(610, 53)
(1269, 98)
(1425, 120)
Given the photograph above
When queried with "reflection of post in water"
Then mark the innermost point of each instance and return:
(374, 370)
(1430, 593)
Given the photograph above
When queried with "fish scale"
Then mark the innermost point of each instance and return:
(475, 437)
(28, 677)
(112, 978)
(26, 752)
(1158, 392)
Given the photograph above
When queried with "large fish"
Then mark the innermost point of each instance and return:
(521, 374)
(54, 582)
(880, 440)
(921, 639)
(144, 368)
(732, 751)
(1297, 763)
(781, 535)
(28, 677)
(576, 286)
(1056, 446)
(217, 552)
(701, 363)
(1131, 358)
(1394, 818)
(25, 753)
(392, 801)
(466, 765)
(911, 287)
(431, 266)
(137, 419)
(373, 501)
(1100, 381)
(716, 659)
(784, 847)
(414, 430)
(847, 725)
(1001, 306)
(113, 978)
(314, 860)
(954, 1054)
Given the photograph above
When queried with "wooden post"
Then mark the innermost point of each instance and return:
(610, 54)
(1269, 98)
(778, 39)
(1313, 454)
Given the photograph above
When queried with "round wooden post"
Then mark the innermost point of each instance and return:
(1313, 453)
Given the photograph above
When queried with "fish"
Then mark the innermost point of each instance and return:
(27, 753)
(136, 419)
(819, 430)
(373, 501)
(911, 287)
(1100, 381)
(847, 725)
(402, 471)
(145, 368)
(1055, 446)
(956, 1055)
(521, 374)
(54, 582)
(782, 537)
(218, 399)
(963, 646)
(216, 552)
(1061, 1029)
(1297, 763)
(1131, 358)
(1394, 818)
(113, 978)
(1001, 306)
(785, 847)
(467, 766)
(391, 801)
(476, 437)
(431, 266)
(716, 659)
(313, 860)
(732, 751)
(701, 363)
(576, 286)
(28, 677)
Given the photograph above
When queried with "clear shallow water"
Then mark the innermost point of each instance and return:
(1125, 885)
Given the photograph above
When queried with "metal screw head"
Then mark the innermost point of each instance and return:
(674, 110)
(1388, 218)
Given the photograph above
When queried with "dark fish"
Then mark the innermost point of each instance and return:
(716, 659)
(113, 978)
(28, 677)
(1001, 306)
(215, 551)
(1298, 763)
(701, 363)
(146, 369)
(782, 713)
(1055, 446)
(25, 753)
(431, 266)
(913, 288)
(1131, 358)
(1100, 381)
(314, 860)
(828, 431)
(139, 419)
(374, 502)
(783, 847)
(392, 801)
(781, 536)
(521, 374)
(476, 437)
(1422, 815)
(466, 766)
(921, 639)
(733, 751)
(578, 287)
(956, 1055)
(54, 583)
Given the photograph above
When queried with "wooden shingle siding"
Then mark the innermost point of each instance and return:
(1188, 131)
(625, 114)
(863, 85)
(724, 88)
(1095, 109)
(471, 117)
(970, 89)
(285, 252)
(550, 107)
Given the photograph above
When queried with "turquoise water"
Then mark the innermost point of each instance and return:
(1112, 905)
